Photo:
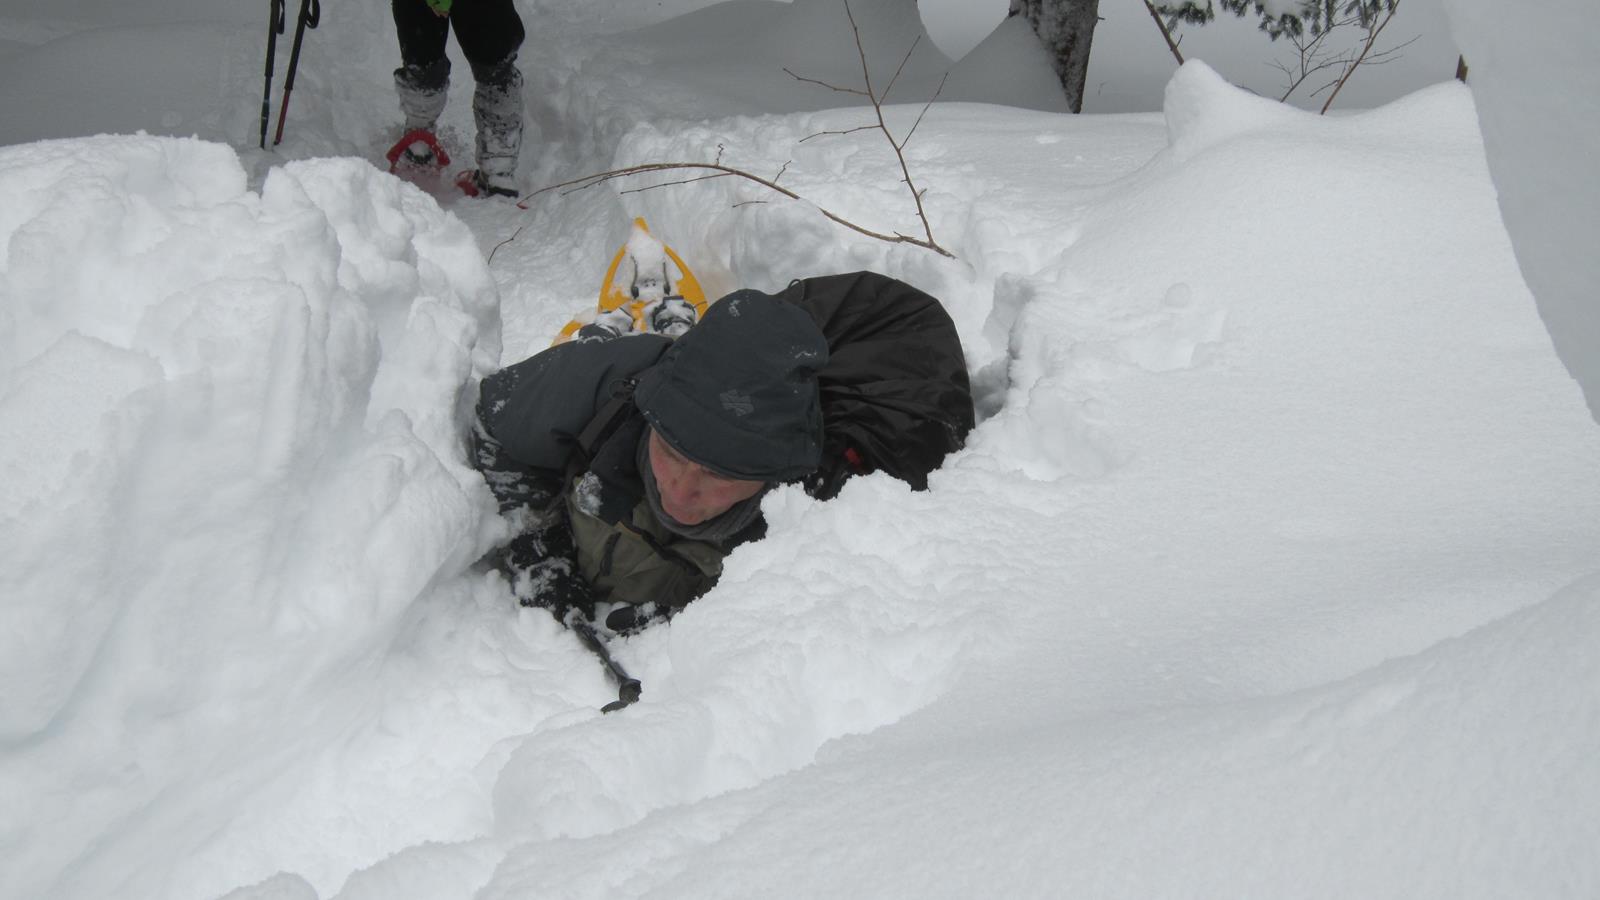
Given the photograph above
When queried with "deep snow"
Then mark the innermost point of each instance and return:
(1539, 100)
(1271, 570)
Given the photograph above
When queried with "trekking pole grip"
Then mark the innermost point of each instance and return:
(310, 17)
(274, 28)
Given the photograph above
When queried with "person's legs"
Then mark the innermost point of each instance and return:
(490, 33)
(423, 79)
(497, 111)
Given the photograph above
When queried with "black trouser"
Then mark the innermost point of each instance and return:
(489, 32)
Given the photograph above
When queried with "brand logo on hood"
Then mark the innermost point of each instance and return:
(736, 403)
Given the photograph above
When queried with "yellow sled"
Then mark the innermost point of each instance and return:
(648, 288)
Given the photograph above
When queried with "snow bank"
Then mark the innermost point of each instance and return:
(1242, 587)
(1229, 589)
(1332, 306)
(230, 434)
(1464, 771)
(1203, 110)
(1010, 66)
(815, 38)
(1537, 89)
(748, 56)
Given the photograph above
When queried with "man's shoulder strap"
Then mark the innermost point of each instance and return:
(607, 419)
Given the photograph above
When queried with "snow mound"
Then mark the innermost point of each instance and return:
(1009, 67)
(252, 470)
(1451, 773)
(1203, 110)
(1243, 586)
(814, 38)
(1537, 91)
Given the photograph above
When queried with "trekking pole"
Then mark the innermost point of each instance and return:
(628, 688)
(274, 28)
(310, 15)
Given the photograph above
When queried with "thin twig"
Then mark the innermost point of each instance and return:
(840, 133)
(1385, 56)
(589, 181)
(877, 109)
(1372, 38)
(514, 235)
(1294, 82)
(866, 74)
(1165, 31)
(718, 170)
(651, 187)
(1312, 61)
(832, 87)
(900, 68)
(924, 112)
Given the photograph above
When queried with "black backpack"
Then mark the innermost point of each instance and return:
(895, 393)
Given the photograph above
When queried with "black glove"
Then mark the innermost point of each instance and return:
(629, 619)
(542, 566)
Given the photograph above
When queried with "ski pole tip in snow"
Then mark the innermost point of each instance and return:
(628, 691)
(628, 687)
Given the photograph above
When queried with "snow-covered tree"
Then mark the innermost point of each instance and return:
(1280, 17)
(1308, 24)
(1066, 27)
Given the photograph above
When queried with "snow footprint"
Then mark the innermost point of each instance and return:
(1180, 328)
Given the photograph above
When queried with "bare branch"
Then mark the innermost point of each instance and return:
(1165, 32)
(924, 112)
(898, 69)
(840, 133)
(651, 187)
(866, 74)
(717, 169)
(1372, 38)
(832, 87)
(1313, 59)
(514, 235)
(589, 181)
(1309, 65)
(1388, 56)
(877, 109)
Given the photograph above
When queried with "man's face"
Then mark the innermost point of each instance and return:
(691, 493)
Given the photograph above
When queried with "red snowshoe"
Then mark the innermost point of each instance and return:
(417, 151)
(474, 183)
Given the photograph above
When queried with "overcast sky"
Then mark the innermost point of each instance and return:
(1129, 64)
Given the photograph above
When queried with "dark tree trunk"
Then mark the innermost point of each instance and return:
(1066, 28)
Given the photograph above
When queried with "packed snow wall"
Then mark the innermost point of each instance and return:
(1536, 84)
(231, 457)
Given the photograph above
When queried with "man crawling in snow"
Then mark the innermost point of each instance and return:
(634, 465)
